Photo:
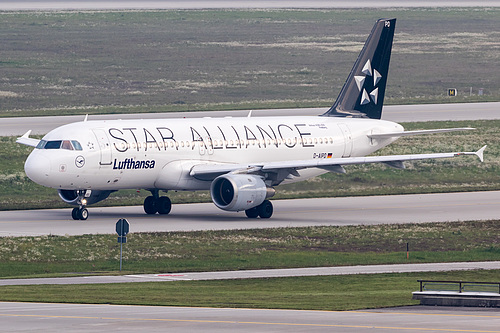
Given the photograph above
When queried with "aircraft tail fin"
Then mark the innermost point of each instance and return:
(363, 93)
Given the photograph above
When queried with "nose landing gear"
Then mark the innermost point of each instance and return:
(80, 213)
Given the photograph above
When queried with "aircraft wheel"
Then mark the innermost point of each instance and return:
(83, 214)
(164, 205)
(150, 205)
(252, 213)
(265, 209)
(74, 214)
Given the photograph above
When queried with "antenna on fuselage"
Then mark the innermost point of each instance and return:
(86, 117)
(249, 114)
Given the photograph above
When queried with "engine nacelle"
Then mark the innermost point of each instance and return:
(71, 196)
(239, 192)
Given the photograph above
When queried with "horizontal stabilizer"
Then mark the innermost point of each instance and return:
(411, 133)
(26, 140)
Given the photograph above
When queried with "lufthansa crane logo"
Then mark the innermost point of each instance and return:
(79, 161)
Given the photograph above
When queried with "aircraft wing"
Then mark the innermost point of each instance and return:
(26, 140)
(211, 171)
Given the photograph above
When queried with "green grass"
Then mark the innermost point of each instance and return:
(349, 292)
(250, 249)
(454, 175)
(156, 61)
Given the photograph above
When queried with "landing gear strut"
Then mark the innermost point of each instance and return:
(80, 213)
(264, 210)
(156, 204)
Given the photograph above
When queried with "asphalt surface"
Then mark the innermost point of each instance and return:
(287, 213)
(397, 113)
(257, 274)
(41, 317)
(231, 4)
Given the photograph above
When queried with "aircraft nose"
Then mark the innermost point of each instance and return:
(37, 168)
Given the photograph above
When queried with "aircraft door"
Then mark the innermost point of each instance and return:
(209, 144)
(201, 145)
(104, 146)
(206, 146)
(346, 132)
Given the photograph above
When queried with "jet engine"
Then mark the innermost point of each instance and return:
(71, 196)
(236, 192)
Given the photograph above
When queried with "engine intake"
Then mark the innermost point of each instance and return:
(239, 192)
(71, 196)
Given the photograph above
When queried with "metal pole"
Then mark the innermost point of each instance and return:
(121, 245)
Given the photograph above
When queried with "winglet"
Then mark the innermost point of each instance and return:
(480, 153)
(26, 140)
(26, 135)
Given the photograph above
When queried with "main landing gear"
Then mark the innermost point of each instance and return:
(156, 204)
(80, 213)
(264, 210)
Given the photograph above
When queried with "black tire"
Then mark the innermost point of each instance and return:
(252, 213)
(150, 205)
(74, 214)
(164, 205)
(83, 214)
(265, 209)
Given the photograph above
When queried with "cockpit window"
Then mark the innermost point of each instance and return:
(66, 145)
(41, 144)
(60, 144)
(53, 145)
(77, 145)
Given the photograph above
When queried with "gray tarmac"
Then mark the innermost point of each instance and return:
(397, 113)
(287, 213)
(42, 317)
(45, 5)
(259, 274)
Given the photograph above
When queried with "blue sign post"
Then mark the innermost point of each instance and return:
(122, 229)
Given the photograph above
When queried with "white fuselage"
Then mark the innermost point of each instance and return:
(158, 154)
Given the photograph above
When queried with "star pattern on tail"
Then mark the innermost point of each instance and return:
(368, 71)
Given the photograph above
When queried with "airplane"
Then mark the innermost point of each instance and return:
(240, 160)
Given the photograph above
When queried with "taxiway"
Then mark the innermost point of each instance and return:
(42, 317)
(287, 213)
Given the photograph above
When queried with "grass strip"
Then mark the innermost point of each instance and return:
(348, 292)
(169, 252)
